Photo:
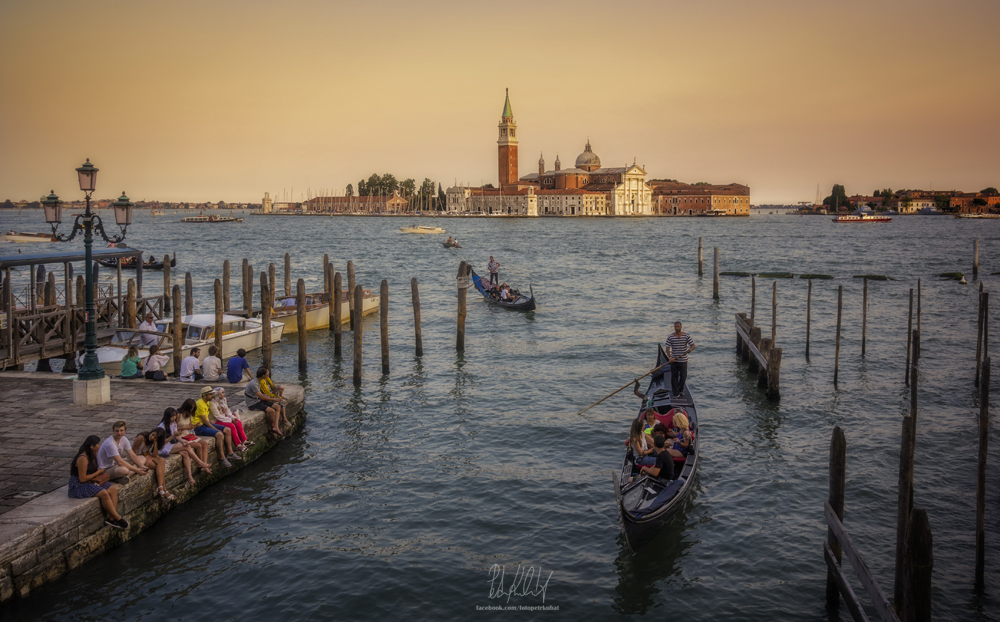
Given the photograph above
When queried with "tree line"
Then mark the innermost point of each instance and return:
(838, 198)
(421, 197)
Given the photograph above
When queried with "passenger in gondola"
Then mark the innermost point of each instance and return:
(642, 445)
(649, 421)
(664, 466)
(505, 293)
(683, 435)
(449, 242)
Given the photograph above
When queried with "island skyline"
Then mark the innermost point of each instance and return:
(212, 102)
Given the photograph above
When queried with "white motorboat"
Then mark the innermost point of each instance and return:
(421, 229)
(16, 236)
(198, 331)
(318, 311)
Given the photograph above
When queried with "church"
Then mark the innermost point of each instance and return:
(586, 189)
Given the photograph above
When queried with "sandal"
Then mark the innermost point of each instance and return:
(166, 495)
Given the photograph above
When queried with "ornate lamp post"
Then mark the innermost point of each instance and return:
(91, 368)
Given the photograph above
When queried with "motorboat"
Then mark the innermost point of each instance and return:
(285, 310)
(930, 211)
(19, 236)
(421, 229)
(647, 503)
(198, 331)
(863, 214)
(518, 301)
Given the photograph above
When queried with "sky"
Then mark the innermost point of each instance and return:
(215, 100)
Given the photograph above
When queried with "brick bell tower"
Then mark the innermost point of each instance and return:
(507, 146)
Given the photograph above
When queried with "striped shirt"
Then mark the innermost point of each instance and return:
(679, 346)
(493, 266)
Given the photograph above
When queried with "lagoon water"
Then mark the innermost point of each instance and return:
(398, 498)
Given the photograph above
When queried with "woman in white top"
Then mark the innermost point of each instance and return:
(219, 408)
(152, 367)
(176, 445)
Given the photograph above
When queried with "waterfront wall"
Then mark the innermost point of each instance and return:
(53, 533)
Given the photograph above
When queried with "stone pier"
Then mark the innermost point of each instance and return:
(43, 532)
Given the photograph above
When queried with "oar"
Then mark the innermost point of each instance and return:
(625, 386)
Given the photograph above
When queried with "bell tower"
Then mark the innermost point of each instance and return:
(507, 146)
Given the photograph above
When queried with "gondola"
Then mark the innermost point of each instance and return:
(130, 264)
(520, 302)
(646, 504)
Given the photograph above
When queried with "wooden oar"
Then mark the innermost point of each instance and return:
(625, 386)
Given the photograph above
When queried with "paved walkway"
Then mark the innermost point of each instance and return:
(41, 429)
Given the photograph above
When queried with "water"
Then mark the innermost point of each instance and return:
(398, 497)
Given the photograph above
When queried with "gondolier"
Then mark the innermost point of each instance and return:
(494, 268)
(678, 346)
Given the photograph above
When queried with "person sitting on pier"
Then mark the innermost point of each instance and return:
(87, 480)
(113, 453)
(131, 364)
(191, 366)
(238, 369)
(257, 400)
(148, 445)
(664, 466)
(275, 393)
(196, 450)
(149, 324)
(152, 368)
(212, 365)
(203, 426)
(227, 418)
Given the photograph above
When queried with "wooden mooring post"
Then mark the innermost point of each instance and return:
(919, 308)
(839, 544)
(219, 310)
(337, 326)
(809, 307)
(763, 357)
(225, 290)
(358, 299)
(918, 568)
(904, 496)
(188, 294)
(130, 305)
(270, 282)
(383, 320)
(250, 281)
(177, 332)
(351, 286)
(700, 249)
(715, 277)
(864, 317)
(979, 334)
(247, 275)
(975, 258)
(166, 282)
(331, 292)
(984, 437)
(909, 338)
(774, 312)
(753, 299)
(288, 274)
(463, 281)
(300, 319)
(417, 337)
(265, 318)
(836, 350)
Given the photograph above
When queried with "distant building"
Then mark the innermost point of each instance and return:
(375, 204)
(674, 198)
(266, 206)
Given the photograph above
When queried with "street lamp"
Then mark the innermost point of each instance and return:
(91, 368)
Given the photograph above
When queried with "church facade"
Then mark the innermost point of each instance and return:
(586, 189)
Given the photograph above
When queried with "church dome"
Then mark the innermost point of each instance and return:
(588, 159)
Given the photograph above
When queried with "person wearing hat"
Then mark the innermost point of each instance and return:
(203, 426)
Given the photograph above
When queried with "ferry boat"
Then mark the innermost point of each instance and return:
(862, 214)
(318, 310)
(212, 218)
(421, 229)
(198, 331)
(15, 236)
(977, 216)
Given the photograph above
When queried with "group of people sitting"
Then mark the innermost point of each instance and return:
(182, 431)
(656, 444)
(503, 292)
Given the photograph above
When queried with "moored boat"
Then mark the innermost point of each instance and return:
(977, 216)
(421, 229)
(318, 311)
(20, 236)
(198, 331)
(130, 263)
(646, 503)
(518, 301)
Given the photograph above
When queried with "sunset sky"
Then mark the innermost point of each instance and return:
(213, 100)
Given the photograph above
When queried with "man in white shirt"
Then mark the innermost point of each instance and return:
(110, 455)
(191, 367)
(149, 324)
(212, 365)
